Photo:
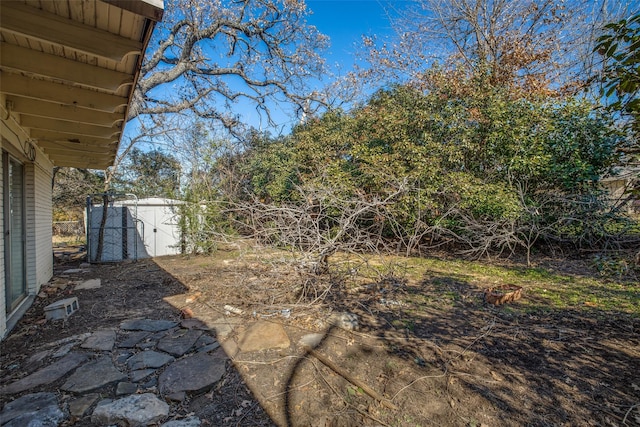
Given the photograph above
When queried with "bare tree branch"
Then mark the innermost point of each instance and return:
(208, 55)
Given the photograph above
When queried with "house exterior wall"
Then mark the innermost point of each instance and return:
(3, 312)
(43, 220)
(38, 215)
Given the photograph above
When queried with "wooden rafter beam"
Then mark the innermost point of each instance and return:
(18, 18)
(80, 147)
(52, 66)
(27, 87)
(34, 107)
(74, 128)
(47, 135)
(56, 153)
(84, 162)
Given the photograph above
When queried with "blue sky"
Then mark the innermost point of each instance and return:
(345, 21)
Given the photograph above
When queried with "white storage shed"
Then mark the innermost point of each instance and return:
(135, 229)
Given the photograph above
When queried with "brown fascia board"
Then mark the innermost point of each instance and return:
(151, 9)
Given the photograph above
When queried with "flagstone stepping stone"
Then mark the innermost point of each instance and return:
(223, 325)
(89, 284)
(194, 324)
(46, 375)
(146, 345)
(64, 350)
(102, 340)
(148, 359)
(133, 338)
(35, 360)
(122, 357)
(126, 388)
(93, 375)
(179, 342)
(139, 375)
(176, 397)
(78, 407)
(147, 325)
(135, 410)
(193, 373)
(187, 422)
(264, 335)
(37, 409)
(206, 343)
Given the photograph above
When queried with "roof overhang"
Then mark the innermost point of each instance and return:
(68, 70)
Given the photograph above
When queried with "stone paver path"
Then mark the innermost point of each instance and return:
(145, 363)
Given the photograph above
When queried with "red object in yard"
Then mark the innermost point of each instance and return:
(502, 294)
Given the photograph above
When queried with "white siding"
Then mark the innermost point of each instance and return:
(29, 183)
(3, 310)
(44, 248)
(39, 217)
(38, 211)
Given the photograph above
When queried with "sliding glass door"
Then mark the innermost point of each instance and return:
(14, 231)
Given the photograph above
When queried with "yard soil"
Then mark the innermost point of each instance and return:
(431, 349)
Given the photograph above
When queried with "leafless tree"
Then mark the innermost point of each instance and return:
(209, 55)
(531, 46)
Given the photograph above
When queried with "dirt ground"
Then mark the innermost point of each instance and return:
(431, 352)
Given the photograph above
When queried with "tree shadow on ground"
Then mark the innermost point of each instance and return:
(433, 348)
(533, 367)
(129, 290)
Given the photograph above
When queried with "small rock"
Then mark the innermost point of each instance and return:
(64, 350)
(85, 265)
(148, 359)
(139, 375)
(178, 343)
(147, 325)
(37, 409)
(176, 397)
(61, 286)
(151, 384)
(73, 271)
(264, 335)
(123, 356)
(310, 340)
(102, 340)
(204, 340)
(194, 373)
(79, 406)
(133, 339)
(134, 410)
(125, 388)
(187, 422)
(89, 284)
(146, 345)
(347, 321)
(93, 375)
(46, 375)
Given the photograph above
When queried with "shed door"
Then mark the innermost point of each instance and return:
(161, 230)
(14, 231)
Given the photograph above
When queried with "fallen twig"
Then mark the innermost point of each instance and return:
(337, 369)
(360, 411)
